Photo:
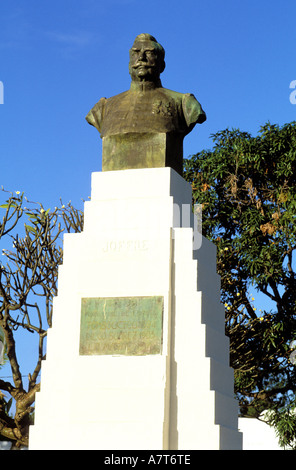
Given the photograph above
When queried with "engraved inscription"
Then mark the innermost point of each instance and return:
(125, 245)
(121, 326)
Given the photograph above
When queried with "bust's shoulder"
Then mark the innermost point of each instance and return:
(119, 97)
(191, 108)
(178, 96)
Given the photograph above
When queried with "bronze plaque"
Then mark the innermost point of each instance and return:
(130, 326)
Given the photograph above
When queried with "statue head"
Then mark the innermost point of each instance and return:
(146, 59)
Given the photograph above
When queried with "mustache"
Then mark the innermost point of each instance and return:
(142, 64)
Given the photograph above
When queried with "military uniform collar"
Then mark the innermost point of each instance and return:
(145, 86)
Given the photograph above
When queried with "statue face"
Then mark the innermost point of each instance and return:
(145, 63)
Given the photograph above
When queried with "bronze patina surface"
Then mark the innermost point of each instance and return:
(144, 127)
(130, 326)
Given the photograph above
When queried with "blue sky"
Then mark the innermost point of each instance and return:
(58, 58)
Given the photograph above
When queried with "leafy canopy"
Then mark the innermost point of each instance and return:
(247, 189)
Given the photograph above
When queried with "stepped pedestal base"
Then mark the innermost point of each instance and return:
(137, 357)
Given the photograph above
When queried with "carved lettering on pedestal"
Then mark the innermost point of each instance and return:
(116, 246)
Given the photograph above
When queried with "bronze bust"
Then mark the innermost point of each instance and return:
(144, 127)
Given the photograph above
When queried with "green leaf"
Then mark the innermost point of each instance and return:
(31, 229)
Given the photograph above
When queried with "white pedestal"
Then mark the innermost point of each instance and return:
(137, 242)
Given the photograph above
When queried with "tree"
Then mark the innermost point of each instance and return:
(4, 404)
(28, 282)
(247, 188)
